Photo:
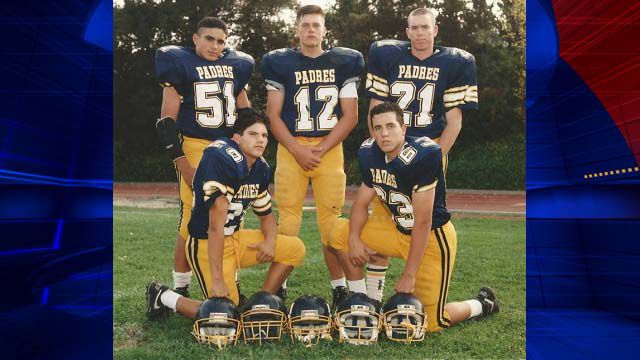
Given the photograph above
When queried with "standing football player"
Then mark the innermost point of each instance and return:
(203, 89)
(406, 174)
(231, 176)
(432, 84)
(312, 103)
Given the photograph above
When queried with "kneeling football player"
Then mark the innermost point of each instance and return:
(406, 174)
(231, 176)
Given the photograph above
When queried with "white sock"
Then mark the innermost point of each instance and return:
(181, 279)
(170, 298)
(358, 286)
(284, 284)
(375, 281)
(476, 307)
(338, 282)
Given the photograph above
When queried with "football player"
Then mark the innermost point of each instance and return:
(312, 103)
(432, 84)
(406, 174)
(231, 176)
(203, 89)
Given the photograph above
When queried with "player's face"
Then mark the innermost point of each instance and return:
(253, 140)
(209, 43)
(388, 132)
(310, 30)
(422, 31)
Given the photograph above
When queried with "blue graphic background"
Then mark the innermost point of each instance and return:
(583, 256)
(56, 164)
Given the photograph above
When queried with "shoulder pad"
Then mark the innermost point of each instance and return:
(390, 45)
(458, 54)
(342, 55)
(237, 54)
(173, 50)
(282, 57)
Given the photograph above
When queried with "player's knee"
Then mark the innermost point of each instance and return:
(339, 235)
(298, 251)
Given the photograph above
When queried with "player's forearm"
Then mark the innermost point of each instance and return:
(357, 218)
(417, 247)
(339, 132)
(281, 132)
(451, 130)
(215, 251)
(242, 101)
(269, 227)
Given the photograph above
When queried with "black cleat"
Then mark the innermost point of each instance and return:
(490, 305)
(155, 308)
(339, 294)
(282, 294)
(184, 291)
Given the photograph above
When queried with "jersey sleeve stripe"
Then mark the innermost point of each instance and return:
(426, 187)
(458, 89)
(262, 208)
(262, 202)
(349, 90)
(376, 78)
(211, 187)
(273, 85)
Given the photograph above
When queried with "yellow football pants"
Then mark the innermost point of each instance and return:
(289, 251)
(193, 149)
(378, 209)
(328, 182)
(434, 273)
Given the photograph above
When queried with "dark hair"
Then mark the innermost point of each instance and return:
(212, 22)
(309, 9)
(422, 11)
(246, 118)
(386, 107)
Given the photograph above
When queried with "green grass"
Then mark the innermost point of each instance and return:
(490, 251)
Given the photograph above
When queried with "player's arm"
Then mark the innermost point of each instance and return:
(242, 101)
(451, 131)
(372, 102)
(345, 125)
(267, 248)
(217, 220)
(303, 154)
(170, 109)
(422, 203)
(358, 251)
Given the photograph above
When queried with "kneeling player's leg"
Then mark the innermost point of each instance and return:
(434, 275)
(198, 257)
(379, 235)
(289, 253)
(160, 298)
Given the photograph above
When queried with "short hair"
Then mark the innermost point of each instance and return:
(308, 9)
(422, 11)
(246, 118)
(386, 107)
(212, 22)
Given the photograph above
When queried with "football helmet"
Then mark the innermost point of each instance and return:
(263, 317)
(217, 322)
(403, 318)
(357, 320)
(309, 320)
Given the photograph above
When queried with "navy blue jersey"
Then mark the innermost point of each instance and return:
(424, 89)
(417, 168)
(312, 86)
(223, 171)
(208, 88)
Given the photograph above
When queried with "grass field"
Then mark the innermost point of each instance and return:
(490, 251)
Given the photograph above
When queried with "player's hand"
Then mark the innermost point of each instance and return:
(265, 250)
(186, 170)
(307, 157)
(219, 289)
(405, 284)
(358, 252)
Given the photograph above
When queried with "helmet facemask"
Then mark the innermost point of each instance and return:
(218, 330)
(310, 327)
(358, 325)
(405, 324)
(262, 323)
